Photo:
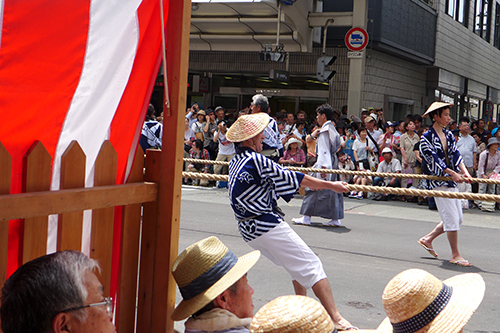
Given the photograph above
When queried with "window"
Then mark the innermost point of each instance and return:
(496, 38)
(459, 10)
(482, 19)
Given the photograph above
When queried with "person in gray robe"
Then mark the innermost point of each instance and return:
(324, 203)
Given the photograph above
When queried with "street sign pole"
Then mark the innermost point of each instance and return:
(357, 64)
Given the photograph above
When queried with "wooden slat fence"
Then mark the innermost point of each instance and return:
(37, 202)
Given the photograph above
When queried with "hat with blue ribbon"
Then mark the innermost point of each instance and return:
(417, 301)
(205, 270)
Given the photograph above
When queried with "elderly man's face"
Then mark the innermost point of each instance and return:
(241, 304)
(220, 114)
(290, 118)
(387, 157)
(98, 320)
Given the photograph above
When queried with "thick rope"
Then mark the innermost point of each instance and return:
(359, 173)
(378, 189)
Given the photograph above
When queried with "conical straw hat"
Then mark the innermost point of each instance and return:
(436, 105)
(416, 301)
(292, 314)
(247, 126)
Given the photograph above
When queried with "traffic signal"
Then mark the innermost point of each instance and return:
(322, 72)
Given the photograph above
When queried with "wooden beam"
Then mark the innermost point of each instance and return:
(25, 205)
(5, 179)
(169, 200)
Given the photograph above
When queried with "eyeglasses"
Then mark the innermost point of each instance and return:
(108, 301)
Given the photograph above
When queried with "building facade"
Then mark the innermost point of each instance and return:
(419, 51)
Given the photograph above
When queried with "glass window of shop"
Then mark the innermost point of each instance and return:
(482, 18)
(496, 37)
(459, 10)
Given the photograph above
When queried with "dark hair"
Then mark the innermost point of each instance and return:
(418, 118)
(464, 120)
(340, 153)
(198, 144)
(327, 110)
(42, 288)
(437, 112)
(408, 122)
(362, 128)
(300, 122)
(151, 112)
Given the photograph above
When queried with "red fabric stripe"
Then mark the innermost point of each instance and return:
(41, 58)
(129, 117)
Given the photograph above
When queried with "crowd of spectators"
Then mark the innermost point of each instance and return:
(369, 143)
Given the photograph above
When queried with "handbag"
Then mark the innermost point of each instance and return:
(372, 161)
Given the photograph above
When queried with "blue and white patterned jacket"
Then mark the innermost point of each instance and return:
(434, 160)
(255, 184)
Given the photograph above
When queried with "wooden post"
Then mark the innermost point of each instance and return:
(36, 178)
(101, 241)
(129, 254)
(69, 227)
(169, 199)
(5, 180)
(148, 246)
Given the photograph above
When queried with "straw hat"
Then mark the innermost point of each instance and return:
(201, 112)
(293, 140)
(436, 105)
(207, 258)
(247, 126)
(419, 302)
(292, 314)
(492, 141)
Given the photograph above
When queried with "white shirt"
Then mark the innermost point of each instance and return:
(359, 147)
(392, 167)
(467, 146)
(225, 147)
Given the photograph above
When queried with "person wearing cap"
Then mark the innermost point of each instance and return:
(390, 164)
(292, 314)
(293, 155)
(152, 131)
(326, 204)
(415, 301)
(260, 104)
(372, 133)
(440, 157)
(255, 185)
(489, 164)
(216, 296)
(220, 113)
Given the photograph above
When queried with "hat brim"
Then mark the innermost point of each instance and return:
(468, 292)
(299, 144)
(188, 307)
(435, 106)
(247, 126)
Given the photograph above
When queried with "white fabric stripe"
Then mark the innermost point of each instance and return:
(2, 3)
(111, 47)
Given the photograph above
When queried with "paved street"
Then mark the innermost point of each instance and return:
(378, 240)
